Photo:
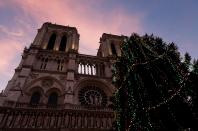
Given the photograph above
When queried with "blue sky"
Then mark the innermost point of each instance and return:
(173, 20)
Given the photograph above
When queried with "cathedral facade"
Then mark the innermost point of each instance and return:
(56, 88)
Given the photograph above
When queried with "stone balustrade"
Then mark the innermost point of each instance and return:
(25, 118)
(12, 104)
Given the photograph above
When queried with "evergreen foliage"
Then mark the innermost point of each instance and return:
(154, 88)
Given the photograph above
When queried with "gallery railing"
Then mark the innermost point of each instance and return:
(12, 104)
(26, 118)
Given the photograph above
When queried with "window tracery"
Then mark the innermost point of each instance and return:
(92, 96)
(87, 69)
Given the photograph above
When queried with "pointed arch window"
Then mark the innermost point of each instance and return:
(60, 65)
(113, 49)
(35, 98)
(53, 99)
(63, 43)
(44, 62)
(51, 42)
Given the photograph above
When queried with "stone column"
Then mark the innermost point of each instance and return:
(69, 94)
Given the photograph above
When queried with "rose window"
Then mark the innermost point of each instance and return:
(92, 96)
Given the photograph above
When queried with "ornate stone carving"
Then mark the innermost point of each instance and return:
(92, 96)
(69, 90)
(61, 77)
(47, 82)
(33, 75)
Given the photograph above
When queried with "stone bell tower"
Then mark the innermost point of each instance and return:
(56, 88)
(48, 55)
(110, 45)
(54, 37)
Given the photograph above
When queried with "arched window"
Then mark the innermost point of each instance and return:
(113, 49)
(35, 98)
(63, 43)
(51, 42)
(53, 99)
(60, 65)
(92, 96)
(44, 63)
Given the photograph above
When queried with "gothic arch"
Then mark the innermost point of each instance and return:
(51, 42)
(113, 49)
(53, 96)
(53, 99)
(60, 86)
(35, 95)
(51, 90)
(36, 89)
(63, 43)
(35, 98)
(108, 88)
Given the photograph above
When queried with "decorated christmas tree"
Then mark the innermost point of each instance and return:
(151, 86)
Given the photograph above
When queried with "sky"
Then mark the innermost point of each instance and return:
(173, 20)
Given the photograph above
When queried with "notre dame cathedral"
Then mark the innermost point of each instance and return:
(55, 88)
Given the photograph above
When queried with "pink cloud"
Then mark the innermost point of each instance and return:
(8, 52)
(7, 31)
(91, 23)
(2, 4)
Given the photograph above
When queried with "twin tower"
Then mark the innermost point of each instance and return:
(55, 87)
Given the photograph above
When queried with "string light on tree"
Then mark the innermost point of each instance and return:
(149, 82)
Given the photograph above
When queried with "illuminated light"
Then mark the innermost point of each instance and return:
(45, 46)
(73, 46)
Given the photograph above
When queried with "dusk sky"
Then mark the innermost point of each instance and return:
(173, 20)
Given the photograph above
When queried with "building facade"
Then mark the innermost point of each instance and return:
(56, 88)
